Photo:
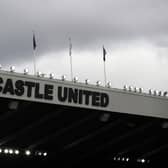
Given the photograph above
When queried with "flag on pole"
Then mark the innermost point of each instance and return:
(34, 54)
(104, 54)
(34, 42)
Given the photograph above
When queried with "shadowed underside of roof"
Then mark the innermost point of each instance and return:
(78, 136)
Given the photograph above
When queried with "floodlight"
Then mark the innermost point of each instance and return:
(155, 93)
(27, 152)
(109, 84)
(45, 154)
(39, 74)
(140, 90)
(63, 77)
(10, 151)
(51, 76)
(12, 69)
(26, 71)
(16, 152)
(75, 79)
(160, 93)
(39, 153)
(125, 87)
(6, 151)
(135, 89)
(98, 83)
(87, 81)
(150, 91)
(130, 88)
(165, 93)
(118, 158)
(143, 160)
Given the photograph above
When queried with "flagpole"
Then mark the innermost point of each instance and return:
(105, 78)
(70, 55)
(34, 57)
(71, 68)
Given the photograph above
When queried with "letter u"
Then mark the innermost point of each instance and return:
(62, 95)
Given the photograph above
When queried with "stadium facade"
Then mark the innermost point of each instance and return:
(68, 122)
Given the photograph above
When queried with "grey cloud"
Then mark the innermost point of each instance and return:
(88, 22)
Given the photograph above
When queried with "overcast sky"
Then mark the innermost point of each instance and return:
(134, 33)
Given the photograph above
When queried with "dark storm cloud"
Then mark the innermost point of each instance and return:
(88, 22)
